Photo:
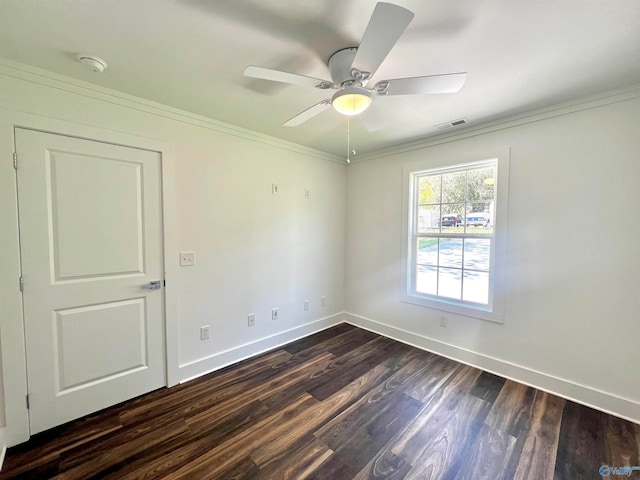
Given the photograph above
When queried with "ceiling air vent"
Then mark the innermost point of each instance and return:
(453, 123)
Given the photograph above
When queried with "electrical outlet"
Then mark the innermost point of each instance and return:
(444, 321)
(251, 319)
(306, 305)
(187, 259)
(275, 190)
(204, 332)
(274, 314)
(307, 193)
(323, 301)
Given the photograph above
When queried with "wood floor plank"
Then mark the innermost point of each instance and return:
(341, 404)
(96, 462)
(450, 393)
(267, 439)
(289, 431)
(47, 447)
(357, 338)
(435, 451)
(581, 447)
(170, 456)
(537, 460)
(213, 462)
(299, 464)
(226, 382)
(364, 413)
(352, 456)
(621, 444)
(245, 469)
(509, 407)
(229, 403)
(361, 360)
(319, 339)
(326, 345)
(487, 457)
(385, 465)
(488, 387)
(432, 377)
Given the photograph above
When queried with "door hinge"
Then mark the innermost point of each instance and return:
(28, 404)
(15, 160)
(21, 282)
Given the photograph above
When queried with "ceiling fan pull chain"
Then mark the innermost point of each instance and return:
(353, 147)
(349, 138)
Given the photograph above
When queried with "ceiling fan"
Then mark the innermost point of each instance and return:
(352, 68)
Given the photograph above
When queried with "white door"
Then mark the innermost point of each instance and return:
(91, 237)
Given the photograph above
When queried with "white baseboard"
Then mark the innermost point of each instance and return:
(591, 397)
(202, 366)
(3, 447)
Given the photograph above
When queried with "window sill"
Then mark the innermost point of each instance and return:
(451, 307)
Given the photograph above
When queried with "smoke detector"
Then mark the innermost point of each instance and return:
(93, 63)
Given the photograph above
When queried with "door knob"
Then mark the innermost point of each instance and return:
(154, 285)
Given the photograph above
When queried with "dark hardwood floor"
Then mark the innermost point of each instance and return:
(342, 404)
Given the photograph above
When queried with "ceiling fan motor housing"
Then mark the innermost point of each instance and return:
(340, 67)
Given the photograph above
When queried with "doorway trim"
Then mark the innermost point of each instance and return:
(12, 339)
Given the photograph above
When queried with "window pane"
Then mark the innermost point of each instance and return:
(428, 251)
(427, 280)
(480, 206)
(476, 287)
(452, 219)
(479, 217)
(481, 184)
(477, 253)
(429, 189)
(450, 254)
(428, 219)
(450, 283)
(453, 188)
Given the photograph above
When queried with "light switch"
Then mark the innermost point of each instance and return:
(187, 259)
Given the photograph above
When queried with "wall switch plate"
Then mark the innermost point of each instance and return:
(187, 259)
(274, 314)
(444, 321)
(251, 319)
(275, 190)
(323, 301)
(205, 332)
(306, 305)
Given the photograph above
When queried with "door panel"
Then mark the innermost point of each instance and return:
(102, 330)
(117, 246)
(90, 226)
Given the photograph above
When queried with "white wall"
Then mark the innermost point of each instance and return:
(254, 250)
(571, 312)
(572, 301)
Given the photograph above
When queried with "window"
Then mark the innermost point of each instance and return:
(454, 242)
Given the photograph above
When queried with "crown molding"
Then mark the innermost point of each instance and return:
(502, 123)
(50, 79)
(20, 71)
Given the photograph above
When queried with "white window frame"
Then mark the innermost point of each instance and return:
(494, 311)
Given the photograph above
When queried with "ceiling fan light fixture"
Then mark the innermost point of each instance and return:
(351, 100)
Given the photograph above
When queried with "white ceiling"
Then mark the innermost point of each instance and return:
(191, 54)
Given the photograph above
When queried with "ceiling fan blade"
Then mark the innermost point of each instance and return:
(448, 83)
(387, 23)
(307, 114)
(284, 77)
